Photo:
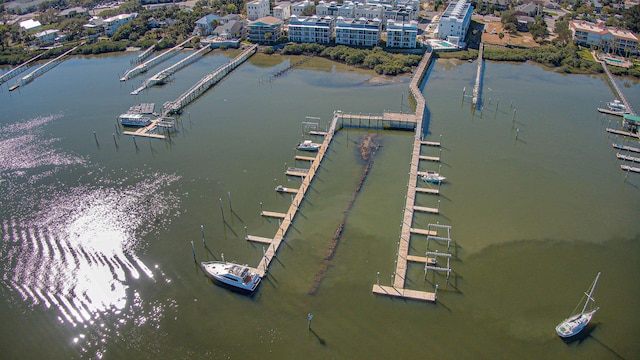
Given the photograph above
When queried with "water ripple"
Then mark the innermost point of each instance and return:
(74, 247)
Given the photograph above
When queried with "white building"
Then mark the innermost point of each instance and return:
(258, 9)
(358, 32)
(608, 38)
(402, 34)
(299, 7)
(311, 29)
(369, 12)
(112, 24)
(346, 9)
(454, 22)
(282, 11)
(46, 37)
(30, 24)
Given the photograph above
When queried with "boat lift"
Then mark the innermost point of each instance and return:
(437, 228)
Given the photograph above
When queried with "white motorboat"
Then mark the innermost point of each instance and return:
(236, 277)
(433, 177)
(308, 145)
(617, 105)
(575, 323)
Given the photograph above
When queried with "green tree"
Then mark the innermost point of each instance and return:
(562, 31)
(631, 18)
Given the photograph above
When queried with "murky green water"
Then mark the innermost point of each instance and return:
(96, 238)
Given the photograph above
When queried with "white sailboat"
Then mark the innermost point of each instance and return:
(575, 323)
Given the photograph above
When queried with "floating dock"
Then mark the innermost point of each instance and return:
(623, 133)
(630, 168)
(477, 87)
(627, 158)
(42, 69)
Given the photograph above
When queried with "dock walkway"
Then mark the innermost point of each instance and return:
(153, 61)
(615, 85)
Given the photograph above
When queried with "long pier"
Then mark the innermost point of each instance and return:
(153, 61)
(616, 87)
(42, 69)
(18, 70)
(287, 218)
(477, 86)
(144, 55)
(206, 82)
(162, 76)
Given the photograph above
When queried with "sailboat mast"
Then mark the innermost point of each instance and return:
(593, 287)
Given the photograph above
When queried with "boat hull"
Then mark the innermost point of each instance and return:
(572, 326)
(218, 272)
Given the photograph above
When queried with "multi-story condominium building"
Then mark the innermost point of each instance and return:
(299, 7)
(312, 29)
(608, 38)
(454, 22)
(346, 9)
(402, 34)
(257, 9)
(112, 24)
(368, 12)
(264, 30)
(400, 14)
(282, 11)
(358, 32)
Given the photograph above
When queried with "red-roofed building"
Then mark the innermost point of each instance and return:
(610, 39)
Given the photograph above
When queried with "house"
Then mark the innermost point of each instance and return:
(402, 34)
(528, 9)
(112, 24)
(610, 39)
(205, 25)
(282, 11)
(95, 23)
(358, 32)
(257, 9)
(454, 22)
(30, 24)
(264, 30)
(46, 37)
(230, 30)
(311, 29)
(71, 12)
(498, 5)
(524, 22)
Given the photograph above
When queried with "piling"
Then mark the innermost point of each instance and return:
(193, 250)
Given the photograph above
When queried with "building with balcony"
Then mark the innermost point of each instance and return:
(402, 34)
(454, 22)
(258, 9)
(609, 39)
(264, 30)
(358, 32)
(311, 29)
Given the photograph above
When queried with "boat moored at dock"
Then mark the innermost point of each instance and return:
(308, 145)
(239, 278)
(134, 119)
(433, 177)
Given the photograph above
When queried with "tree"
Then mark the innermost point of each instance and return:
(562, 31)
(631, 18)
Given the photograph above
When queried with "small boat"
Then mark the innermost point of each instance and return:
(575, 323)
(134, 120)
(308, 145)
(236, 277)
(626, 147)
(617, 105)
(433, 177)
(281, 188)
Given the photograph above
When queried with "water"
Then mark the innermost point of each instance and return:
(96, 255)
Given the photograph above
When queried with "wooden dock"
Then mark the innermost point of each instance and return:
(273, 214)
(630, 168)
(282, 189)
(305, 158)
(404, 293)
(288, 217)
(623, 133)
(627, 158)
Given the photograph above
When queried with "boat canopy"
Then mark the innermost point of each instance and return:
(632, 119)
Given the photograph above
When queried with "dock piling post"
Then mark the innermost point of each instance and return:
(378, 278)
(246, 233)
(193, 250)
(436, 292)
(203, 241)
(222, 256)
(229, 197)
(514, 115)
(309, 318)
(221, 209)
(134, 141)
(96, 138)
